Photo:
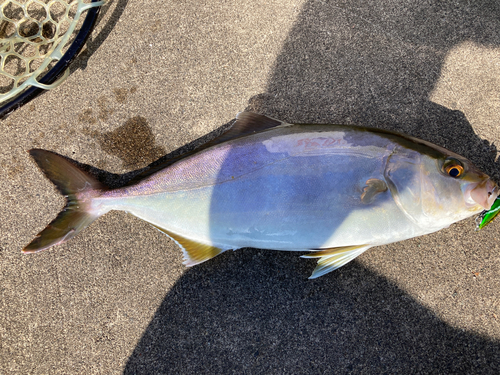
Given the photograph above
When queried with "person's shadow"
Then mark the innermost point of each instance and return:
(252, 311)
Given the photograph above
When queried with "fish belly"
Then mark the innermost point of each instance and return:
(261, 195)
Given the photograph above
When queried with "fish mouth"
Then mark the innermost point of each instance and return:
(483, 194)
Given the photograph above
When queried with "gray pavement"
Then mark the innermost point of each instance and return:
(159, 75)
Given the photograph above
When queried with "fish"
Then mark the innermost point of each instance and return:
(331, 191)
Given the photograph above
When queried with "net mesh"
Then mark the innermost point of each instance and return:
(34, 35)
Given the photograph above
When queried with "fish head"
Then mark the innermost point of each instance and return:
(435, 187)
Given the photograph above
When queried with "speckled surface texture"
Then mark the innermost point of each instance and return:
(159, 75)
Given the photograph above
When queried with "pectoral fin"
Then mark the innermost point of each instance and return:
(373, 187)
(333, 258)
(194, 252)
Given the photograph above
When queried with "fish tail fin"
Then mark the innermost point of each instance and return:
(72, 182)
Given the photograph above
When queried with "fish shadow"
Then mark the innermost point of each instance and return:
(369, 64)
(255, 312)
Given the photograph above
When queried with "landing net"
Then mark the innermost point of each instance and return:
(34, 35)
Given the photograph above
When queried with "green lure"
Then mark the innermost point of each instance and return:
(487, 216)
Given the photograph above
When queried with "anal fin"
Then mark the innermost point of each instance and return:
(333, 258)
(194, 252)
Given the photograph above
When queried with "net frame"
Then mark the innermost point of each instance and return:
(53, 69)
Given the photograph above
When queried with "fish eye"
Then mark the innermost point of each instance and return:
(453, 168)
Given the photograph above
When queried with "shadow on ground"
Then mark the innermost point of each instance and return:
(93, 43)
(370, 64)
(376, 64)
(256, 312)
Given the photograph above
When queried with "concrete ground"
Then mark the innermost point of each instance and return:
(156, 76)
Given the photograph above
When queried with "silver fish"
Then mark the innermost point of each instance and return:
(331, 190)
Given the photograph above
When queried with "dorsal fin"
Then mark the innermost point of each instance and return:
(250, 122)
(246, 123)
(333, 258)
(194, 252)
